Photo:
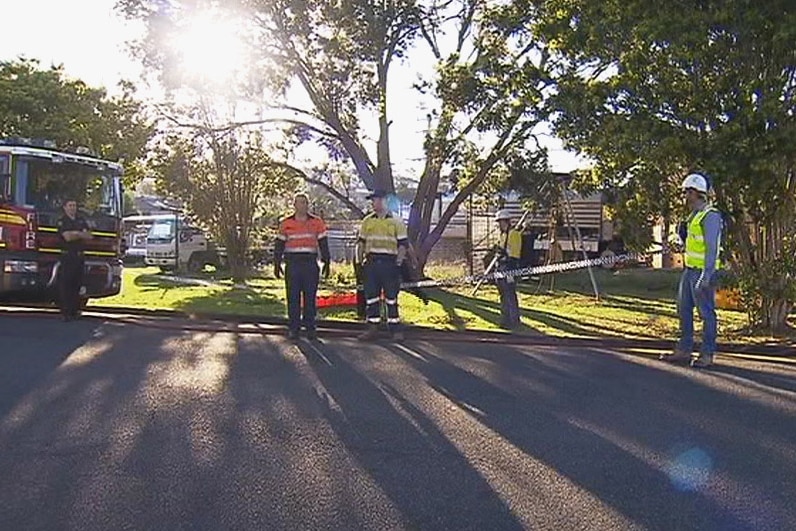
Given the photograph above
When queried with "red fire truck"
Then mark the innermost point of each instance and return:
(35, 178)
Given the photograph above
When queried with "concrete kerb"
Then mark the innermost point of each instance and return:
(259, 324)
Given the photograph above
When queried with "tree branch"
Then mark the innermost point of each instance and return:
(498, 152)
(326, 186)
(360, 158)
(467, 23)
(246, 123)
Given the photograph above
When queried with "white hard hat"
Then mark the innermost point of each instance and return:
(697, 182)
(503, 213)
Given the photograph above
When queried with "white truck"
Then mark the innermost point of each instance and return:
(194, 248)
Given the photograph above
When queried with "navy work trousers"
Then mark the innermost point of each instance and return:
(301, 281)
(509, 304)
(70, 280)
(382, 274)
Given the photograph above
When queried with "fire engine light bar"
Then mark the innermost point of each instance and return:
(32, 142)
(20, 266)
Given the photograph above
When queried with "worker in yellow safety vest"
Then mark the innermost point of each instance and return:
(701, 233)
(508, 251)
(381, 249)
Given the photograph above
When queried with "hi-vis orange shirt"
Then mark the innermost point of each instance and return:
(302, 236)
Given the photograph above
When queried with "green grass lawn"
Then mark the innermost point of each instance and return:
(636, 303)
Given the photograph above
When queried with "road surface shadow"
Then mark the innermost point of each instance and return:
(24, 359)
(590, 426)
(784, 380)
(415, 464)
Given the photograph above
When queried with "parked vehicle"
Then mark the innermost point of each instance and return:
(193, 247)
(135, 231)
(35, 179)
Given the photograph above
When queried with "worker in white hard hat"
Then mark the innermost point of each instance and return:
(508, 252)
(701, 233)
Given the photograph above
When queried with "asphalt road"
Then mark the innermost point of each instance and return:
(112, 426)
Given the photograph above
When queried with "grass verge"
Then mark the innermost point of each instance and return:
(634, 303)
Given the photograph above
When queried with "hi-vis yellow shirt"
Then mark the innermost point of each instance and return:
(695, 246)
(382, 235)
(511, 241)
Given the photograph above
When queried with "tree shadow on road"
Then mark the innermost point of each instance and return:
(31, 349)
(179, 430)
(784, 380)
(413, 462)
(585, 426)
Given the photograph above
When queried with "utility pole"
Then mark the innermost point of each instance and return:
(176, 242)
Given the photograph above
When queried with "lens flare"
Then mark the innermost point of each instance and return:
(209, 46)
(690, 470)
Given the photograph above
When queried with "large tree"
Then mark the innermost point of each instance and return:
(45, 103)
(227, 182)
(653, 92)
(483, 95)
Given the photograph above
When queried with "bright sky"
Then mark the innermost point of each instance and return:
(85, 35)
(88, 38)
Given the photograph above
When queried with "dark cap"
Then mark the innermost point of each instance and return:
(378, 193)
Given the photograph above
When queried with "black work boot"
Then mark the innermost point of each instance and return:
(703, 361)
(677, 356)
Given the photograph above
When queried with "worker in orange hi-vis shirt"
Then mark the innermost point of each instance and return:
(300, 240)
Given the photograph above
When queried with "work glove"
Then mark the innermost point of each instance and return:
(326, 270)
(278, 269)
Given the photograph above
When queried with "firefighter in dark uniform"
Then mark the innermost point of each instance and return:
(74, 232)
(300, 240)
(381, 249)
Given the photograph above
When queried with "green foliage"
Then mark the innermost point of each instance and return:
(635, 303)
(45, 103)
(228, 182)
(769, 289)
(653, 93)
(128, 203)
(482, 99)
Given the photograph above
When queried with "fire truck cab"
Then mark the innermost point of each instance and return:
(35, 180)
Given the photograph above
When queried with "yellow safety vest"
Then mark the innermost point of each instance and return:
(382, 235)
(511, 242)
(695, 248)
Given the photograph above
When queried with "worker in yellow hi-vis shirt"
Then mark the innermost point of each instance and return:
(381, 249)
(508, 251)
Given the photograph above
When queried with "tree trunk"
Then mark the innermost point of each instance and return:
(236, 256)
(774, 315)
(238, 266)
(421, 259)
